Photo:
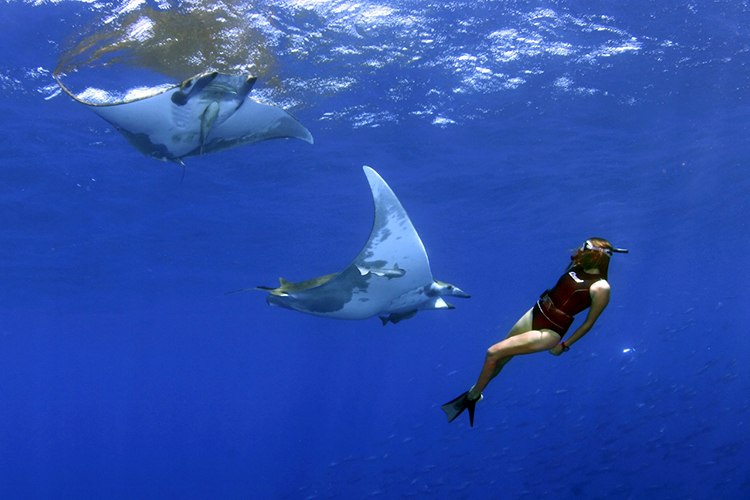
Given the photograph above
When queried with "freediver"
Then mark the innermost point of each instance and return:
(583, 286)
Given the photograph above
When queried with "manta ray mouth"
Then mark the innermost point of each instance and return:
(277, 301)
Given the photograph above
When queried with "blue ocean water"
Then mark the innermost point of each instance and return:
(511, 131)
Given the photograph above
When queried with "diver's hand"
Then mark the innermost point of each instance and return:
(557, 350)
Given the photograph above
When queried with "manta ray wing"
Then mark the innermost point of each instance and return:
(392, 263)
(154, 126)
(204, 114)
(394, 248)
(253, 122)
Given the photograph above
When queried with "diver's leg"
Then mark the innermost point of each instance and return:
(520, 340)
(521, 326)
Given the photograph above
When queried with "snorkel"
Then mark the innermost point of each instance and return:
(588, 245)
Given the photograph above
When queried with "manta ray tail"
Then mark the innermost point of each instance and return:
(248, 289)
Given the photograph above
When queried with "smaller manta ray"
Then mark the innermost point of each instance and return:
(204, 114)
(390, 277)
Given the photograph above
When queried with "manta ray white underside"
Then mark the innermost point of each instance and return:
(204, 114)
(390, 277)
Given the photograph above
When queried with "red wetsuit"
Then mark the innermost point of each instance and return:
(571, 295)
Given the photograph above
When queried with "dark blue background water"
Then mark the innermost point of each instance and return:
(125, 372)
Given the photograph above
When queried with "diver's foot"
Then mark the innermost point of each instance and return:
(457, 406)
(474, 398)
(471, 405)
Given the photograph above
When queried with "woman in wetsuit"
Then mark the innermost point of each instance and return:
(583, 286)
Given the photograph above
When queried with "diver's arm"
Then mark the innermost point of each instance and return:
(599, 299)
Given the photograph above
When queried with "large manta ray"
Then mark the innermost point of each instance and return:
(390, 277)
(204, 114)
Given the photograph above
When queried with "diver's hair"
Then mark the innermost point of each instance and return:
(594, 253)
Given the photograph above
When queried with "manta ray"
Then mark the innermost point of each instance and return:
(389, 278)
(207, 113)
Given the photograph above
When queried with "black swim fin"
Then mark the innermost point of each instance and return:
(457, 406)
